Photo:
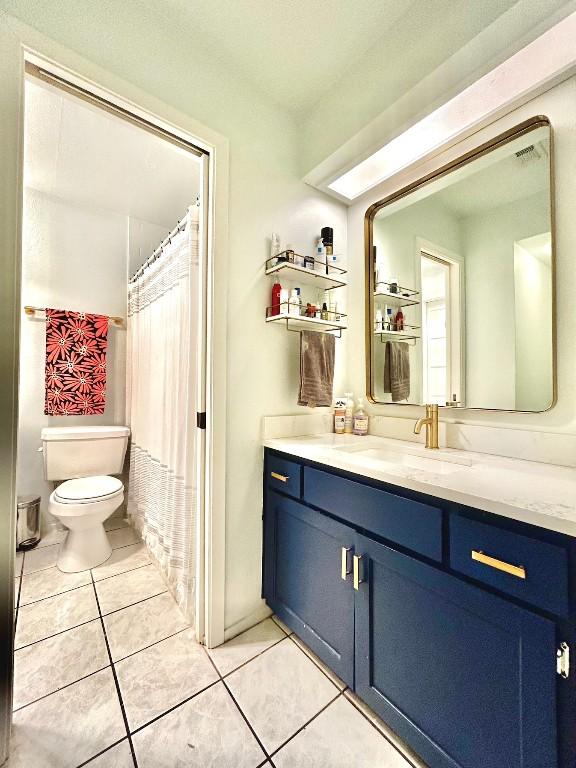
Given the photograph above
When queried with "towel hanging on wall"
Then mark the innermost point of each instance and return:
(75, 368)
(317, 351)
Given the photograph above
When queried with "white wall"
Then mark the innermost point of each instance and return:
(533, 351)
(72, 258)
(488, 243)
(143, 239)
(548, 436)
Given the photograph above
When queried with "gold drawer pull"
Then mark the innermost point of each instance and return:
(514, 570)
(282, 478)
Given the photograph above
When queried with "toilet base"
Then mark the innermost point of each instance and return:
(84, 549)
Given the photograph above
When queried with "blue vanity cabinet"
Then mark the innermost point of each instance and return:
(413, 602)
(307, 579)
(466, 678)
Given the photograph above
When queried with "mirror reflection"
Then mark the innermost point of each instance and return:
(460, 275)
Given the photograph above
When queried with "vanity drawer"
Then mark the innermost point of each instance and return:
(531, 570)
(410, 524)
(283, 475)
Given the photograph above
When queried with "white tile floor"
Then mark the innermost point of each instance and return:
(108, 675)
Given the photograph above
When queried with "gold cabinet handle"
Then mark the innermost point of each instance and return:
(345, 570)
(514, 570)
(277, 476)
(356, 577)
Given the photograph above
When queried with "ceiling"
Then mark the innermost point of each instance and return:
(79, 152)
(498, 184)
(295, 50)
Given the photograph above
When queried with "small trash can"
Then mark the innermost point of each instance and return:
(28, 522)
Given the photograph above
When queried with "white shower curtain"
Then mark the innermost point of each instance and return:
(163, 328)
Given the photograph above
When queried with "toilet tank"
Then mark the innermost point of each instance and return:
(83, 451)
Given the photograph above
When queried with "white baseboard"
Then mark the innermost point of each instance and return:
(249, 621)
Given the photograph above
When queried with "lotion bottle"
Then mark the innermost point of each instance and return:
(349, 414)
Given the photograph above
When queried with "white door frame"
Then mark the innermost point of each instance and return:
(456, 314)
(19, 44)
(210, 622)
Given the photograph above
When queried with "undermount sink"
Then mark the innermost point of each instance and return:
(439, 464)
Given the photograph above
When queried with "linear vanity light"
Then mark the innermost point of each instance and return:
(529, 70)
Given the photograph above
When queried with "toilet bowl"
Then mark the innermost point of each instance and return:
(87, 456)
(82, 506)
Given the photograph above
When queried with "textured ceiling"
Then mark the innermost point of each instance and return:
(295, 50)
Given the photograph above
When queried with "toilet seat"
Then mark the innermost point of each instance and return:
(88, 490)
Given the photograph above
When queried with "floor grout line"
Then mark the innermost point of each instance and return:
(307, 723)
(317, 665)
(72, 589)
(252, 658)
(245, 718)
(115, 676)
(103, 752)
(156, 642)
(136, 602)
(64, 592)
(113, 576)
(174, 707)
(55, 634)
(62, 688)
(381, 733)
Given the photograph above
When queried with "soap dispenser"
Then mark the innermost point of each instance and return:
(360, 419)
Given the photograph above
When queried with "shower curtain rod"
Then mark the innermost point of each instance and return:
(180, 227)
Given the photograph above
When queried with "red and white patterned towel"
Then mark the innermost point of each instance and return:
(76, 345)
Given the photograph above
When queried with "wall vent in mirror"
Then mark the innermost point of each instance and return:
(474, 244)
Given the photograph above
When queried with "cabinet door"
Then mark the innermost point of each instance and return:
(303, 581)
(466, 678)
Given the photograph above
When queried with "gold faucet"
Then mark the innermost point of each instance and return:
(431, 422)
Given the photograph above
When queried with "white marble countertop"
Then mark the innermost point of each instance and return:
(533, 492)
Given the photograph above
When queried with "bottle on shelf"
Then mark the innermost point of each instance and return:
(349, 415)
(294, 303)
(360, 426)
(276, 292)
(328, 241)
(319, 254)
(300, 305)
(284, 301)
(379, 326)
(274, 248)
(399, 320)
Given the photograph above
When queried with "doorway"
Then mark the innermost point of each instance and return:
(441, 281)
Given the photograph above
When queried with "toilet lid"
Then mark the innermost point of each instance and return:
(88, 488)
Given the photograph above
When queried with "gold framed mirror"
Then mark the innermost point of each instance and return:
(460, 297)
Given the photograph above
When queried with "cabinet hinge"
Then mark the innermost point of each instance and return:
(201, 420)
(563, 660)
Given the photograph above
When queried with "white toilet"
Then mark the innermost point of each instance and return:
(89, 455)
